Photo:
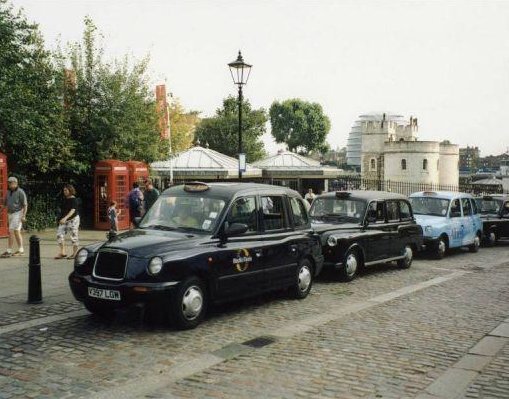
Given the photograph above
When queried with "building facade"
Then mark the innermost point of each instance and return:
(469, 158)
(390, 150)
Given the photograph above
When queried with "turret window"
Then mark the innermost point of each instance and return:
(372, 164)
(424, 164)
(403, 164)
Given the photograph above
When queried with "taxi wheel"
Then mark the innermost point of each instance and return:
(440, 248)
(491, 238)
(100, 311)
(188, 304)
(406, 262)
(477, 243)
(304, 280)
(351, 265)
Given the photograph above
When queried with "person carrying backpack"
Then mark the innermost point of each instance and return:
(135, 200)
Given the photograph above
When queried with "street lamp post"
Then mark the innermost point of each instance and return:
(240, 74)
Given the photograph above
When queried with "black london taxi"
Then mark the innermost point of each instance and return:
(494, 212)
(363, 228)
(201, 243)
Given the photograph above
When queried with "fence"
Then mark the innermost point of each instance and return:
(407, 188)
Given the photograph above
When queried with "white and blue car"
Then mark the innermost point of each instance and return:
(448, 219)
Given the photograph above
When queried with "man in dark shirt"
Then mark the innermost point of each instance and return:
(151, 194)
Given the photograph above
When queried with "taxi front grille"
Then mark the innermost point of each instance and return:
(110, 265)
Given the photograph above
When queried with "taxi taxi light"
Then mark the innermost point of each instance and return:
(343, 194)
(81, 257)
(487, 198)
(140, 289)
(155, 266)
(196, 187)
(429, 193)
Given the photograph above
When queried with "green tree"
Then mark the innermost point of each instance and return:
(32, 126)
(220, 132)
(110, 107)
(301, 125)
(182, 126)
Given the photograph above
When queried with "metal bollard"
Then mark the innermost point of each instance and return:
(34, 271)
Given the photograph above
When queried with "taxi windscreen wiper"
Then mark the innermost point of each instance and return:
(159, 227)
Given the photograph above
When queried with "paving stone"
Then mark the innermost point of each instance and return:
(473, 362)
(501, 331)
(488, 346)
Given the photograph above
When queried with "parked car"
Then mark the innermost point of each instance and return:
(202, 243)
(363, 228)
(494, 212)
(449, 220)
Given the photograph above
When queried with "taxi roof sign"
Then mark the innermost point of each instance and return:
(196, 187)
(430, 193)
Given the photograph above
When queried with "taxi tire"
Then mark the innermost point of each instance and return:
(344, 275)
(475, 246)
(405, 263)
(100, 311)
(437, 253)
(295, 290)
(176, 314)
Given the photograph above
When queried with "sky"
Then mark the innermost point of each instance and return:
(444, 62)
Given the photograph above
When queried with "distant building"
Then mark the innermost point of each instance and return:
(469, 158)
(390, 151)
(492, 163)
(335, 157)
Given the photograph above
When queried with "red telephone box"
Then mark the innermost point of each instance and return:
(4, 230)
(111, 183)
(138, 172)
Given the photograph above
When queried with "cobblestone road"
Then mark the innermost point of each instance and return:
(391, 333)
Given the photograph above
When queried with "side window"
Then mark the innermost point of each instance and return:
(376, 209)
(404, 210)
(392, 211)
(455, 209)
(243, 211)
(474, 207)
(273, 212)
(299, 214)
(467, 206)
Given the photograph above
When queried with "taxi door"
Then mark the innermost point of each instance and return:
(377, 236)
(456, 224)
(238, 267)
(468, 222)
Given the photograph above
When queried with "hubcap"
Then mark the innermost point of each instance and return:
(441, 247)
(477, 241)
(351, 264)
(192, 302)
(408, 255)
(304, 278)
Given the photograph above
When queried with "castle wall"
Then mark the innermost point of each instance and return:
(449, 164)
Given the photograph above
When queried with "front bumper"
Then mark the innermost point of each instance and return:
(130, 292)
(429, 243)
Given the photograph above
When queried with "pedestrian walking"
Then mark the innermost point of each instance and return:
(113, 213)
(68, 222)
(135, 200)
(17, 206)
(310, 196)
(151, 194)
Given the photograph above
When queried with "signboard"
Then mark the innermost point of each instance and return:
(242, 162)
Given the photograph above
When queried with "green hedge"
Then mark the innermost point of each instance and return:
(42, 213)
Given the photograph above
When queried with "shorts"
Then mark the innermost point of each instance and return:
(15, 223)
(72, 227)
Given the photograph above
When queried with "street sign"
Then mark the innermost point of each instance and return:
(242, 162)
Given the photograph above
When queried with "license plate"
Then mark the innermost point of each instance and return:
(111, 295)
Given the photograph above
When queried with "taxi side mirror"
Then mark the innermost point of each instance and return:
(235, 229)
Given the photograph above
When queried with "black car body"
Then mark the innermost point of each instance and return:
(494, 212)
(362, 228)
(199, 243)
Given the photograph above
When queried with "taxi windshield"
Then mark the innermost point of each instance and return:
(187, 212)
(347, 210)
(429, 206)
(488, 206)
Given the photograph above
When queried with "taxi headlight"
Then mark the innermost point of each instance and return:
(428, 229)
(81, 257)
(332, 241)
(155, 266)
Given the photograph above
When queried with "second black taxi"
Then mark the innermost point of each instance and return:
(202, 243)
(494, 212)
(362, 228)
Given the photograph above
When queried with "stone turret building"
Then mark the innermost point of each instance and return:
(390, 150)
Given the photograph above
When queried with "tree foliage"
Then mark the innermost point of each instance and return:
(110, 109)
(220, 132)
(301, 125)
(32, 125)
(182, 126)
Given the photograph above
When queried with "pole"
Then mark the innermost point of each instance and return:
(34, 271)
(240, 129)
